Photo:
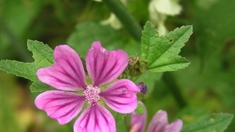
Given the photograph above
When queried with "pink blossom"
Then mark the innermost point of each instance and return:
(138, 121)
(74, 92)
(158, 123)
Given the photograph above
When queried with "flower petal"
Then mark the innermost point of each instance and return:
(67, 73)
(121, 96)
(104, 66)
(138, 121)
(95, 118)
(175, 126)
(158, 122)
(168, 7)
(60, 105)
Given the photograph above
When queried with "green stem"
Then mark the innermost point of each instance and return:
(125, 17)
(171, 84)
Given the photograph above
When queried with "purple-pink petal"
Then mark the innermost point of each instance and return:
(158, 122)
(175, 126)
(95, 118)
(60, 105)
(67, 73)
(138, 121)
(104, 66)
(121, 96)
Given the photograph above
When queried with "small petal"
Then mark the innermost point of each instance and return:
(113, 21)
(175, 126)
(158, 122)
(59, 105)
(154, 15)
(95, 118)
(104, 66)
(121, 96)
(67, 73)
(168, 7)
(138, 121)
(161, 29)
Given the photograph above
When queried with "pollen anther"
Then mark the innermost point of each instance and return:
(92, 94)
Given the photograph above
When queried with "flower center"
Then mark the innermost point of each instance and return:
(92, 94)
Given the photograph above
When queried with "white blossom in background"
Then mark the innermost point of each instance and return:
(113, 21)
(159, 10)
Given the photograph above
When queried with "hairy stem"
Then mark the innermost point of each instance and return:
(171, 84)
(128, 21)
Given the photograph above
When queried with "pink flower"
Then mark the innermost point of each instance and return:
(158, 123)
(74, 89)
(138, 121)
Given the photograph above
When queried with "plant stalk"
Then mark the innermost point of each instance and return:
(127, 20)
(174, 88)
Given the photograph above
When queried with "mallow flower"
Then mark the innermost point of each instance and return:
(75, 92)
(159, 122)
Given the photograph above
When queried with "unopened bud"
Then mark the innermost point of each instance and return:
(143, 87)
(135, 67)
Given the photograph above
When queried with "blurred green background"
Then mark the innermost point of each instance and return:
(207, 85)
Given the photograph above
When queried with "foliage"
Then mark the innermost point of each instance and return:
(213, 122)
(161, 52)
(207, 84)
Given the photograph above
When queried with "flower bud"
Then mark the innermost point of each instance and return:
(143, 87)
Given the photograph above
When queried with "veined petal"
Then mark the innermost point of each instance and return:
(138, 121)
(158, 122)
(104, 66)
(95, 118)
(67, 73)
(121, 96)
(175, 126)
(60, 105)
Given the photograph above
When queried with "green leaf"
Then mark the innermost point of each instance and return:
(161, 52)
(39, 87)
(139, 109)
(178, 37)
(211, 123)
(21, 69)
(43, 56)
(42, 53)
